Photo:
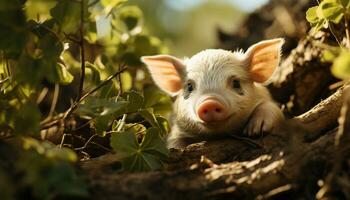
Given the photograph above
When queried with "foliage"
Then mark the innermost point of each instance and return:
(330, 12)
(38, 170)
(44, 48)
(144, 155)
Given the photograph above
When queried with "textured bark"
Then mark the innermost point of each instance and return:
(302, 80)
(248, 172)
(324, 115)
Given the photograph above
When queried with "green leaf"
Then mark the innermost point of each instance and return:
(111, 4)
(134, 99)
(140, 157)
(330, 10)
(163, 125)
(130, 16)
(64, 76)
(51, 46)
(13, 26)
(311, 15)
(101, 124)
(341, 66)
(67, 14)
(153, 143)
(148, 115)
(136, 128)
(345, 3)
(95, 107)
(160, 102)
(47, 170)
(38, 9)
(330, 54)
(125, 143)
(27, 120)
(93, 73)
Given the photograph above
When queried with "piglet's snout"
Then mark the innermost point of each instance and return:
(211, 110)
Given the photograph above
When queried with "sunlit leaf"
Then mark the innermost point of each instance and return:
(111, 4)
(39, 9)
(330, 54)
(130, 16)
(64, 76)
(311, 15)
(341, 65)
(330, 10)
(93, 72)
(163, 125)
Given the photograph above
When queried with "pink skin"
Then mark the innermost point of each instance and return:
(211, 110)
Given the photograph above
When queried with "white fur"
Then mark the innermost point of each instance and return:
(210, 70)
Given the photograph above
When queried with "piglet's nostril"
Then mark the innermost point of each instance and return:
(211, 110)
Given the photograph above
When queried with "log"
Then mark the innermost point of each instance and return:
(218, 169)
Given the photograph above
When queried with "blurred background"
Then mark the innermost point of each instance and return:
(188, 26)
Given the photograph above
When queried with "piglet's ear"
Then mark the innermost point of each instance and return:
(166, 72)
(263, 59)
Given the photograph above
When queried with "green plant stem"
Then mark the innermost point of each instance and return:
(82, 50)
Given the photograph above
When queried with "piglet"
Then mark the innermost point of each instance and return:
(219, 92)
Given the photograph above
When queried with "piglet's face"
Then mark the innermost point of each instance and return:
(215, 88)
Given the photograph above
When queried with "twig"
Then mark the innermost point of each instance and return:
(7, 67)
(4, 80)
(62, 140)
(333, 33)
(82, 50)
(86, 143)
(72, 38)
(51, 31)
(122, 123)
(89, 141)
(120, 92)
(347, 31)
(82, 126)
(101, 146)
(75, 105)
(93, 3)
(54, 99)
(42, 95)
(275, 192)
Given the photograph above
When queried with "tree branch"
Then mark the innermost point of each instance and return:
(75, 105)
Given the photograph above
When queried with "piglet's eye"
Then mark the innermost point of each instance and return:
(236, 84)
(189, 87)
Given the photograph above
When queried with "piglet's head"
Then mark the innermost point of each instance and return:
(215, 89)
